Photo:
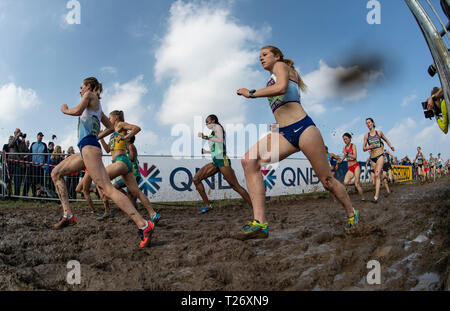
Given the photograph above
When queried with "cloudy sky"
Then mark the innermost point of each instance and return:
(164, 62)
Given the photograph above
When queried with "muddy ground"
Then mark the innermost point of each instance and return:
(408, 233)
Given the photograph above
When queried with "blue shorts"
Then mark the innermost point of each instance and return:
(88, 141)
(293, 132)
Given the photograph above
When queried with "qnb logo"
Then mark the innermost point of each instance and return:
(150, 179)
(269, 177)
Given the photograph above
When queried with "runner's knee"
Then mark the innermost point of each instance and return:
(250, 164)
(328, 183)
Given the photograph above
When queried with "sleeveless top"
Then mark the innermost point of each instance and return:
(387, 158)
(218, 150)
(374, 140)
(89, 123)
(419, 160)
(115, 144)
(292, 94)
(349, 151)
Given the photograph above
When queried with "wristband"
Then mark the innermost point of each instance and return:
(252, 93)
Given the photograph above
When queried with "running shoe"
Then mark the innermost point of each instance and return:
(353, 221)
(253, 230)
(374, 200)
(146, 234)
(155, 218)
(102, 216)
(64, 222)
(205, 209)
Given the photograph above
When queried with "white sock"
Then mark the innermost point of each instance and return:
(146, 225)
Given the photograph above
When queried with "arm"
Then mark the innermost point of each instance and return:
(77, 110)
(432, 98)
(387, 141)
(130, 128)
(365, 143)
(12, 141)
(280, 87)
(109, 128)
(105, 146)
(132, 152)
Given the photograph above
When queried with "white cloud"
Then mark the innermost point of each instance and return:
(323, 85)
(408, 99)
(206, 56)
(109, 69)
(15, 102)
(128, 98)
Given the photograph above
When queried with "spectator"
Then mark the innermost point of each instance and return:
(27, 180)
(16, 144)
(53, 161)
(6, 171)
(38, 148)
(51, 148)
(72, 180)
(437, 103)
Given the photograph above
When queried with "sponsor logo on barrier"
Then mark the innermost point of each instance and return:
(269, 177)
(402, 172)
(150, 179)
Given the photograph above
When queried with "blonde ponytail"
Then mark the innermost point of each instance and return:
(300, 82)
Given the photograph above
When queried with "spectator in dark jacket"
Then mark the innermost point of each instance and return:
(16, 144)
(38, 148)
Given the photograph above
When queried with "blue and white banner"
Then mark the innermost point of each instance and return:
(165, 179)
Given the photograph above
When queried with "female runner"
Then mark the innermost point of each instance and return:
(90, 157)
(373, 143)
(220, 162)
(297, 132)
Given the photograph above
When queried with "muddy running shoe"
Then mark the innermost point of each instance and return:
(353, 221)
(64, 222)
(253, 230)
(146, 234)
(155, 218)
(374, 200)
(102, 216)
(205, 209)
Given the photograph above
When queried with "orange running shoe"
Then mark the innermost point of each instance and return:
(64, 222)
(146, 234)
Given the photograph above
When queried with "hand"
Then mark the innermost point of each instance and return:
(244, 92)
(64, 109)
(120, 138)
(392, 147)
(430, 103)
(200, 134)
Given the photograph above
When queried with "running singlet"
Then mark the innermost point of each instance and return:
(292, 94)
(218, 150)
(374, 140)
(115, 144)
(349, 151)
(89, 123)
(419, 160)
(387, 158)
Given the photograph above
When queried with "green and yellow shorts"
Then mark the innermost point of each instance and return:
(223, 162)
(125, 160)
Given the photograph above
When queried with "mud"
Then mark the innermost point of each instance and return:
(408, 233)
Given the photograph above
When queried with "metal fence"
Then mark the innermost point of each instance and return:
(26, 175)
